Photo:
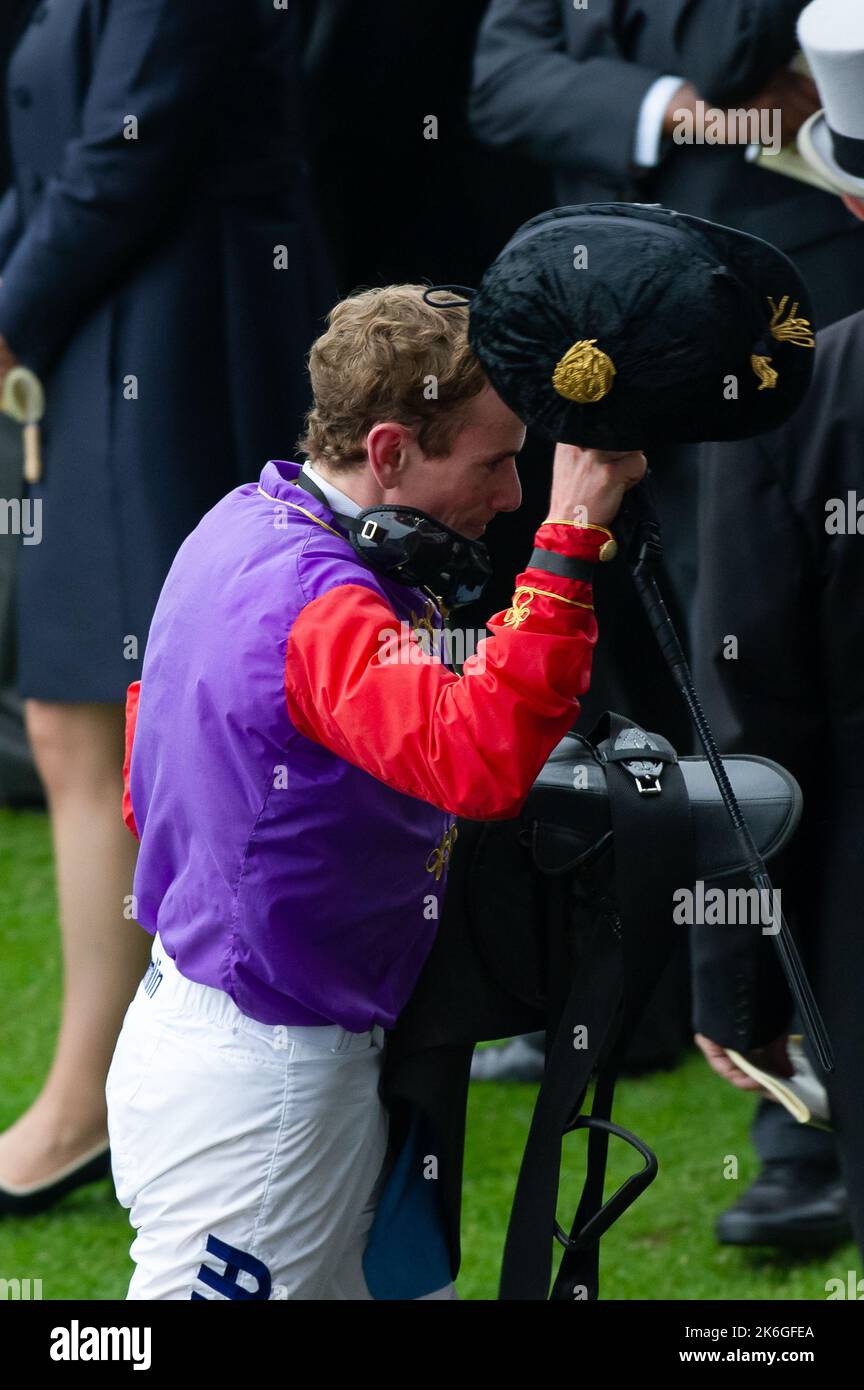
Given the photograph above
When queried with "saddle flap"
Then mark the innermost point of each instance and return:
(770, 801)
(566, 818)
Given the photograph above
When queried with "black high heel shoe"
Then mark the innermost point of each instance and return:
(25, 1201)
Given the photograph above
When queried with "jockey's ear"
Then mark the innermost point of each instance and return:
(855, 205)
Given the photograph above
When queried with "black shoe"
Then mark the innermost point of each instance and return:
(25, 1201)
(789, 1204)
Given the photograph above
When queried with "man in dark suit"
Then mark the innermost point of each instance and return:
(791, 686)
(788, 590)
(577, 89)
(591, 92)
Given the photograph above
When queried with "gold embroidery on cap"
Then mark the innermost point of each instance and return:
(584, 373)
(765, 372)
(794, 330)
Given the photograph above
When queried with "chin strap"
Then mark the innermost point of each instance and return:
(415, 549)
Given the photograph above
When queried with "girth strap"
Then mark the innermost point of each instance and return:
(527, 1264)
(623, 961)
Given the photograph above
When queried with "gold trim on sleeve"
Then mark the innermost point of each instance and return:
(607, 551)
(519, 610)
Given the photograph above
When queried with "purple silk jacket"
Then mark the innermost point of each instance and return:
(272, 868)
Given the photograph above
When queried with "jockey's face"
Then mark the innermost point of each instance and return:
(466, 488)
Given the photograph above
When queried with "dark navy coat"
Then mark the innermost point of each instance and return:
(782, 519)
(162, 274)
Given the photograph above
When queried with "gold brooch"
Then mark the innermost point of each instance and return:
(584, 373)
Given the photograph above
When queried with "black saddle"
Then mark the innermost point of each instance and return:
(560, 919)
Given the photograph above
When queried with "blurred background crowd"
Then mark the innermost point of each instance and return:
(137, 279)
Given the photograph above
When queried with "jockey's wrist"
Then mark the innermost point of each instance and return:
(588, 539)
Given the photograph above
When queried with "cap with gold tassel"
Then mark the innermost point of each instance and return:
(630, 326)
(791, 329)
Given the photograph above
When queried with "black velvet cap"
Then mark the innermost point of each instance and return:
(619, 326)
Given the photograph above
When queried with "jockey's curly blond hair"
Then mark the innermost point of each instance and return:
(388, 355)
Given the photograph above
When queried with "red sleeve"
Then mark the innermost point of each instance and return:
(361, 684)
(131, 715)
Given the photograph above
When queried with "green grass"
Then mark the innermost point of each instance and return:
(662, 1248)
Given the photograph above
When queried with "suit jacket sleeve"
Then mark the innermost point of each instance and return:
(157, 61)
(740, 998)
(756, 620)
(728, 49)
(530, 96)
(473, 744)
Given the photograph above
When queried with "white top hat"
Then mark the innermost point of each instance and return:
(831, 33)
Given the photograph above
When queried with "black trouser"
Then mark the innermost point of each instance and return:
(776, 1135)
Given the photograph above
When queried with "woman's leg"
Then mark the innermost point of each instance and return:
(78, 749)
